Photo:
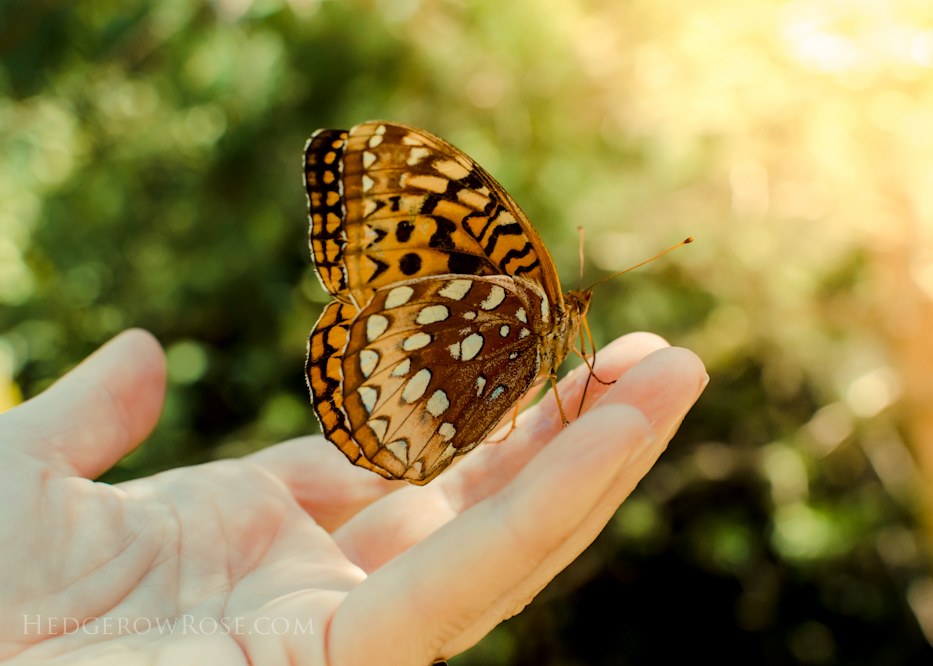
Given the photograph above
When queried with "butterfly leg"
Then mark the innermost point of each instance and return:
(592, 370)
(590, 367)
(560, 407)
(514, 419)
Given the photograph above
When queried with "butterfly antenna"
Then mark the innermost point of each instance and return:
(580, 283)
(684, 242)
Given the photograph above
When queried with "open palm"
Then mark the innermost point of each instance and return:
(292, 555)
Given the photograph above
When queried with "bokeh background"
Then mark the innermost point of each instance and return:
(150, 176)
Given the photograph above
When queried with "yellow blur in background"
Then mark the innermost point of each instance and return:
(150, 176)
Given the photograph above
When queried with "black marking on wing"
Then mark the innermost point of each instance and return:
(492, 218)
(430, 203)
(527, 269)
(319, 146)
(464, 264)
(380, 204)
(443, 237)
(466, 227)
(472, 181)
(410, 264)
(380, 234)
(404, 230)
(381, 267)
(513, 229)
(517, 254)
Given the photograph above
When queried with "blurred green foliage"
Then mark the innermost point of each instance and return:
(150, 176)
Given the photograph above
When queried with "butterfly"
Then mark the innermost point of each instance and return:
(447, 306)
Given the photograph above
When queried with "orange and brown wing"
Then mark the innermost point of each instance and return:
(326, 208)
(390, 203)
(323, 373)
(433, 364)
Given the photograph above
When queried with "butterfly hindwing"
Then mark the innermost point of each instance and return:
(433, 364)
(324, 375)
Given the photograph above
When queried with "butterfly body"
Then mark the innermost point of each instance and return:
(447, 305)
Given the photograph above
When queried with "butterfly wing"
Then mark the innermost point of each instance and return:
(324, 374)
(389, 202)
(432, 364)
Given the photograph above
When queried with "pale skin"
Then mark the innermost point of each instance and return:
(387, 574)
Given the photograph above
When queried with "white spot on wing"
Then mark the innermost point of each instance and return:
(480, 385)
(447, 431)
(398, 296)
(544, 309)
(473, 199)
(416, 341)
(455, 350)
(416, 386)
(456, 289)
(416, 155)
(504, 330)
(445, 456)
(496, 296)
(495, 394)
(451, 169)
(367, 183)
(369, 207)
(432, 314)
(524, 334)
(472, 346)
(374, 141)
(399, 449)
(402, 368)
(438, 403)
(381, 129)
(369, 396)
(368, 361)
(368, 159)
(513, 356)
(521, 316)
(469, 315)
(379, 427)
(410, 140)
(376, 325)
(431, 183)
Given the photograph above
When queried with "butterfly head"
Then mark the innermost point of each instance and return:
(578, 302)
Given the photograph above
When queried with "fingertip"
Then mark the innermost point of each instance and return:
(644, 340)
(689, 366)
(663, 385)
(142, 390)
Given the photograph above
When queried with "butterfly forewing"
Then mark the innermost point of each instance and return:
(433, 364)
(413, 206)
(326, 207)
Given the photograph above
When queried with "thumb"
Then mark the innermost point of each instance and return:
(95, 414)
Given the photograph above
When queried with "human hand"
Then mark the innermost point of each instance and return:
(243, 553)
